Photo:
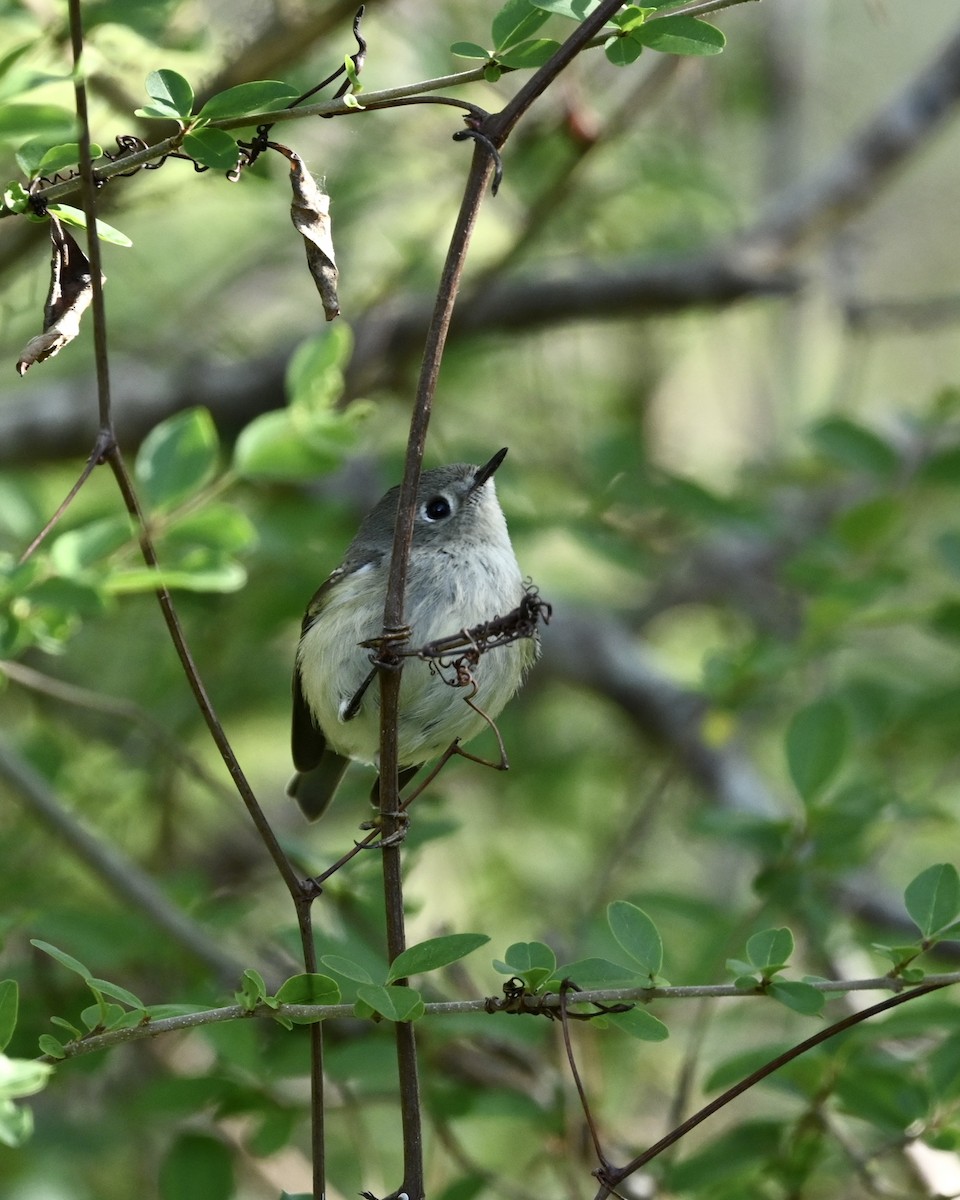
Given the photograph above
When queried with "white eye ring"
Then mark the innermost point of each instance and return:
(437, 508)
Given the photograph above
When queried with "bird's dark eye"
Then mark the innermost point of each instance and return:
(437, 508)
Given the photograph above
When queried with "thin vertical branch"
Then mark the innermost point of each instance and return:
(610, 1179)
(494, 132)
(481, 170)
(107, 450)
(89, 201)
(498, 126)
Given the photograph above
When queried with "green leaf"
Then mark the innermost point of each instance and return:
(309, 989)
(948, 548)
(9, 999)
(213, 148)
(942, 467)
(435, 953)
(680, 35)
(197, 1167)
(522, 957)
(882, 1092)
(394, 1002)
(516, 21)
(313, 380)
(22, 1077)
(631, 17)
(816, 744)
(27, 120)
(117, 992)
(933, 898)
(217, 527)
(75, 216)
(156, 112)
(589, 973)
(16, 1124)
(944, 621)
(576, 10)
(640, 1024)
(50, 1046)
(170, 90)
(253, 990)
(800, 997)
(532, 53)
(262, 96)
(38, 157)
(853, 445)
(469, 50)
(637, 935)
(347, 968)
(943, 1068)
(869, 525)
(276, 445)
(622, 51)
(74, 552)
(770, 948)
(177, 457)
(220, 578)
(16, 198)
(103, 1016)
(64, 959)
(726, 1166)
(70, 1028)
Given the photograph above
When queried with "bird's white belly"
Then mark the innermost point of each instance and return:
(432, 713)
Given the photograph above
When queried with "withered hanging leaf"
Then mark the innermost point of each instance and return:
(71, 290)
(310, 213)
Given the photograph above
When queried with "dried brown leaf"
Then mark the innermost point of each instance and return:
(71, 290)
(310, 213)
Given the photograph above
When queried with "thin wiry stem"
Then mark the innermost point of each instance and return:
(108, 451)
(610, 1178)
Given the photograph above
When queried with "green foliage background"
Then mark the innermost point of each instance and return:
(745, 517)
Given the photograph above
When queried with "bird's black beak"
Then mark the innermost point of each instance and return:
(483, 473)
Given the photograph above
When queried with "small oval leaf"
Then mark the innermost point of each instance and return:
(816, 744)
(347, 968)
(801, 997)
(264, 95)
(636, 934)
(933, 898)
(770, 948)
(309, 989)
(170, 90)
(435, 953)
(640, 1024)
(395, 1003)
(178, 457)
(213, 148)
(9, 1000)
(680, 35)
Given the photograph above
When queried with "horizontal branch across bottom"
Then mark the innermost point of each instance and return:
(330, 1012)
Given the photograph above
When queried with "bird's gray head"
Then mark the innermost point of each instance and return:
(455, 504)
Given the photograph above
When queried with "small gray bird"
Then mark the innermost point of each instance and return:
(462, 573)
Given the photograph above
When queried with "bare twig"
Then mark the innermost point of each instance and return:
(609, 1179)
(538, 1006)
(109, 452)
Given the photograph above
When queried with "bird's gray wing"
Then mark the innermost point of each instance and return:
(319, 769)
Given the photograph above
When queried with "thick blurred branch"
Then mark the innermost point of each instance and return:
(54, 423)
(122, 876)
(600, 652)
